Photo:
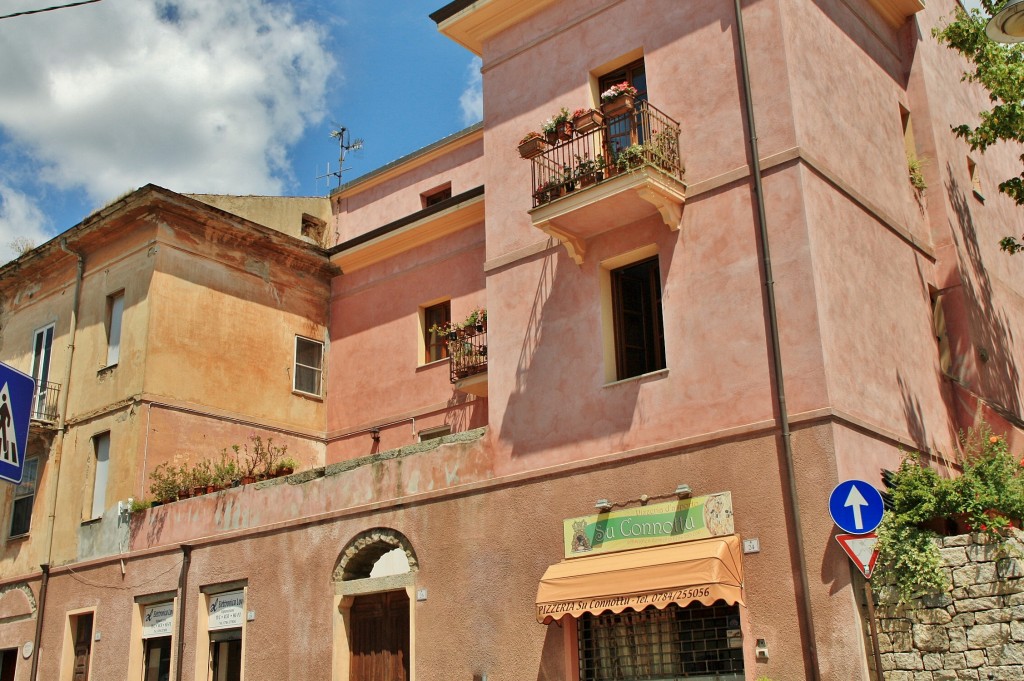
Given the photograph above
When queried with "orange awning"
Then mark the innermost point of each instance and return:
(705, 571)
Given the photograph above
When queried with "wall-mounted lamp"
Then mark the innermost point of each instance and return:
(603, 505)
(1008, 25)
(683, 491)
(375, 434)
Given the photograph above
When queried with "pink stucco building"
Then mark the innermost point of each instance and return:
(703, 311)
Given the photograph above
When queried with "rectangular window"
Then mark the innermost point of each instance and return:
(637, 318)
(972, 170)
(435, 433)
(436, 195)
(309, 355)
(8, 664)
(157, 628)
(24, 498)
(435, 342)
(627, 129)
(226, 613)
(697, 642)
(101, 445)
(41, 347)
(115, 309)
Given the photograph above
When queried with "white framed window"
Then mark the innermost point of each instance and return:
(101, 446)
(24, 498)
(115, 310)
(309, 359)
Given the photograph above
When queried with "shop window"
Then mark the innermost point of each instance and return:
(637, 318)
(434, 318)
(225, 622)
(24, 498)
(436, 195)
(697, 641)
(626, 129)
(101, 469)
(157, 629)
(309, 355)
(42, 344)
(115, 310)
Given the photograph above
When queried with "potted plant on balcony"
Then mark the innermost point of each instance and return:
(631, 158)
(164, 484)
(618, 99)
(563, 124)
(589, 171)
(549, 190)
(586, 120)
(202, 478)
(532, 144)
(550, 129)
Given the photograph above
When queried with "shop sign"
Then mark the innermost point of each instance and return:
(158, 620)
(654, 525)
(227, 610)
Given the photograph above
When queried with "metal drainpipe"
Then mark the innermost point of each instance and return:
(773, 323)
(62, 410)
(41, 606)
(186, 561)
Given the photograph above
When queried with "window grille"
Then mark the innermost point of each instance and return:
(695, 642)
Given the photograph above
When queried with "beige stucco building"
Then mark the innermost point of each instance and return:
(703, 341)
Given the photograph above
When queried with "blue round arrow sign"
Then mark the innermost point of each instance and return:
(856, 507)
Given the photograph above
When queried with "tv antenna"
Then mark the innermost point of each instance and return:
(345, 145)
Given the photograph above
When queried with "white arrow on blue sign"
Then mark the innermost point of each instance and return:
(856, 507)
(16, 391)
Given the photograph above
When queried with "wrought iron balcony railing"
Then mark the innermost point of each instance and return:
(467, 353)
(642, 136)
(44, 402)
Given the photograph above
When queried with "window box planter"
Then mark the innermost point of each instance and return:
(533, 146)
(618, 106)
(564, 131)
(587, 121)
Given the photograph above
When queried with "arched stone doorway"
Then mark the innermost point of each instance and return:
(374, 587)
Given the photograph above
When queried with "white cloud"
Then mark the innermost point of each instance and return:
(472, 98)
(194, 95)
(20, 220)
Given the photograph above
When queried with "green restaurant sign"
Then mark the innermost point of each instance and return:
(654, 525)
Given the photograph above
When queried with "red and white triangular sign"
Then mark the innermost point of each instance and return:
(861, 550)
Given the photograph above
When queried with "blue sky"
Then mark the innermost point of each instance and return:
(217, 96)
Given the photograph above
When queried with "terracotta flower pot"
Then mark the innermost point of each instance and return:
(618, 106)
(532, 147)
(588, 121)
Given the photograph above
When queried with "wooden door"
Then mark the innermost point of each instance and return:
(83, 647)
(380, 637)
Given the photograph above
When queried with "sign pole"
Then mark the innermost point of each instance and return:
(874, 629)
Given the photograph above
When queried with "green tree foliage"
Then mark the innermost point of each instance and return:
(999, 69)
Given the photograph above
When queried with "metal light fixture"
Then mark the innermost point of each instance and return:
(375, 434)
(603, 505)
(683, 491)
(1008, 25)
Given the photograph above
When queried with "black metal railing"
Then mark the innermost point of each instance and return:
(467, 353)
(642, 136)
(44, 402)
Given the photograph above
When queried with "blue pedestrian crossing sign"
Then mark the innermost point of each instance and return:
(16, 391)
(856, 507)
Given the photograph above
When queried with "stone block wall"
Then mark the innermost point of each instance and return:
(975, 631)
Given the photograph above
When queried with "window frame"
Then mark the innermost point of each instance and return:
(439, 343)
(41, 358)
(655, 357)
(436, 195)
(31, 462)
(114, 327)
(101, 473)
(318, 370)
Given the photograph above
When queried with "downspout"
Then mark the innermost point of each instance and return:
(62, 410)
(773, 327)
(39, 620)
(179, 610)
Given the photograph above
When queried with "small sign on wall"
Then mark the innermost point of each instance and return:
(227, 610)
(158, 620)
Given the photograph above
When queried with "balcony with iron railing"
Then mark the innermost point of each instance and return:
(622, 169)
(44, 401)
(467, 354)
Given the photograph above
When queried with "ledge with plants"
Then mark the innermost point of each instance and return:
(987, 499)
(257, 459)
